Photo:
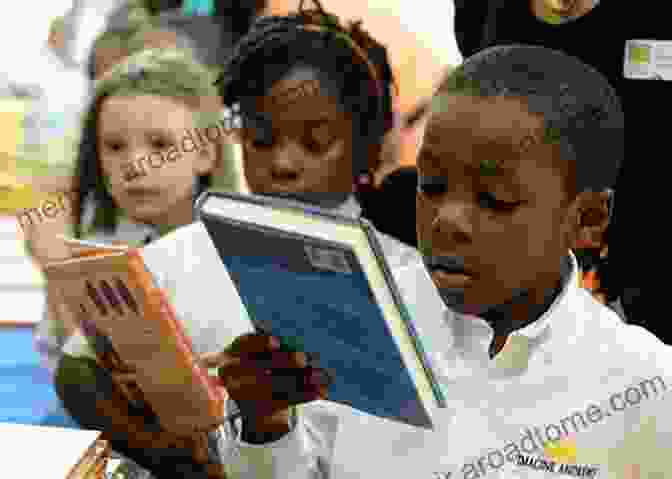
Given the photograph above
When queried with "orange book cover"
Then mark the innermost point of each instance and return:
(113, 290)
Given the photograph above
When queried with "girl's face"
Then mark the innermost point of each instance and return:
(151, 165)
(300, 143)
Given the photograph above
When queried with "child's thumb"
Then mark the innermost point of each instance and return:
(212, 360)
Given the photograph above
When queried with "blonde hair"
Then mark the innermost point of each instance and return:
(172, 73)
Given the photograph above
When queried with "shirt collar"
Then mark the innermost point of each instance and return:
(471, 336)
(136, 233)
(349, 207)
(558, 307)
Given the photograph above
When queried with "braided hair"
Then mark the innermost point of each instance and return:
(350, 63)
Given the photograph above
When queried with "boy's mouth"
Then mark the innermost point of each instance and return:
(449, 271)
(450, 280)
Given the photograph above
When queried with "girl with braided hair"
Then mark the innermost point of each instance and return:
(317, 102)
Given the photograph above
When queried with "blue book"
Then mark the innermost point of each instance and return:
(320, 282)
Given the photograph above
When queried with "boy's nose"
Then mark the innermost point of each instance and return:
(454, 219)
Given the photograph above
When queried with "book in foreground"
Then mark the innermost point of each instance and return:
(321, 283)
(61, 453)
(134, 328)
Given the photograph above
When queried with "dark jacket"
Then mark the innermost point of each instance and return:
(599, 40)
(391, 207)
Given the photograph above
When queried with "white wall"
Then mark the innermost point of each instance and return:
(24, 28)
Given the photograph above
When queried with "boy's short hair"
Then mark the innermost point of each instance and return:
(580, 109)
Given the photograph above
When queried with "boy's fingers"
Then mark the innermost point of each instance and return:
(125, 377)
(246, 345)
(253, 343)
(214, 360)
(275, 360)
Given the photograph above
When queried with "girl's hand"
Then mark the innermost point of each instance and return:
(266, 382)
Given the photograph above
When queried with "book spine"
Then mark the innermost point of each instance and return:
(215, 398)
(160, 306)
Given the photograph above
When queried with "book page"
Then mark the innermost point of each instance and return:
(187, 266)
(57, 449)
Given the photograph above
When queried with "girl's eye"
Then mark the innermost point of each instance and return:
(489, 201)
(261, 142)
(160, 144)
(260, 139)
(114, 146)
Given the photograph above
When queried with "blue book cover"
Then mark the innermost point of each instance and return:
(316, 294)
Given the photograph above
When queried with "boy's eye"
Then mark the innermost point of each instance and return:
(318, 139)
(488, 201)
(316, 146)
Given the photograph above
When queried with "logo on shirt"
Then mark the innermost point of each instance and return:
(562, 450)
(548, 465)
(560, 458)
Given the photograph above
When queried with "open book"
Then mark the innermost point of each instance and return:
(63, 453)
(134, 328)
(321, 283)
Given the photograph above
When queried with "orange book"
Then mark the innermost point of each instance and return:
(111, 288)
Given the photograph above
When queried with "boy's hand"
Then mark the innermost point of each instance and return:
(265, 381)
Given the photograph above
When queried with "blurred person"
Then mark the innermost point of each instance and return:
(142, 107)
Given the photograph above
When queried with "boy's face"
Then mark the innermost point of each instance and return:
(301, 144)
(491, 196)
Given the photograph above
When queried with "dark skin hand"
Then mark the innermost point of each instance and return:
(266, 381)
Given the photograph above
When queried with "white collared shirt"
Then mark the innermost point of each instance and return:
(578, 354)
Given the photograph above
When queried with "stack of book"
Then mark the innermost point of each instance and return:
(64, 453)
(22, 292)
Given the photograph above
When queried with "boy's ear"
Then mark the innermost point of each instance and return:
(589, 216)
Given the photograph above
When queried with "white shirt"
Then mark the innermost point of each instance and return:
(577, 354)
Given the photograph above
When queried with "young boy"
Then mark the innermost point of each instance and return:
(541, 380)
